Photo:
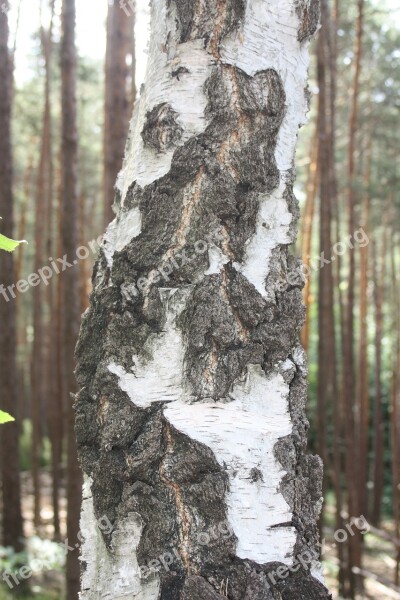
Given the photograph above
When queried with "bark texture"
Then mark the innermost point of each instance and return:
(190, 419)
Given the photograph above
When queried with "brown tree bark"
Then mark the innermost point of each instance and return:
(395, 401)
(351, 416)
(362, 380)
(53, 405)
(351, 200)
(41, 373)
(118, 89)
(328, 396)
(379, 275)
(60, 407)
(9, 449)
(307, 231)
(70, 279)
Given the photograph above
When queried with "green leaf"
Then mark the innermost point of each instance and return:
(9, 245)
(5, 417)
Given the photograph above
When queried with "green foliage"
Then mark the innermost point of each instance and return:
(5, 417)
(5, 594)
(9, 245)
(45, 558)
(10, 560)
(25, 448)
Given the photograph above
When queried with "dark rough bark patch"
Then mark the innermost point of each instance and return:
(228, 325)
(161, 130)
(258, 587)
(225, 200)
(302, 587)
(201, 24)
(197, 587)
(308, 12)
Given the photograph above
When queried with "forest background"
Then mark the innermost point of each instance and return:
(348, 188)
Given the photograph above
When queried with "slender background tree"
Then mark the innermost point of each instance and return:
(70, 314)
(11, 492)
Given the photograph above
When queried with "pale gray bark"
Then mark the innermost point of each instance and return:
(190, 419)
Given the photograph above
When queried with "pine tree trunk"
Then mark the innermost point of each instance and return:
(53, 399)
(117, 98)
(363, 391)
(331, 211)
(190, 419)
(395, 401)
(40, 383)
(9, 449)
(307, 232)
(379, 442)
(70, 279)
(351, 414)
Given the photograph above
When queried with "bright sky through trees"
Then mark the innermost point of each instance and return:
(91, 20)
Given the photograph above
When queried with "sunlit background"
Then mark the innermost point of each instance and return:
(378, 119)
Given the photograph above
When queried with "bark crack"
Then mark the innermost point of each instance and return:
(243, 330)
(219, 29)
(184, 517)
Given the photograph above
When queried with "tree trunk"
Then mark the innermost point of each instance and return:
(70, 279)
(330, 192)
(379, 442)
(41, 393)
(363, 391)
(190, 419)
(395, 402)
(9, 449)
(351, 414)
(52, 392)
(307, 232)
(117, 98)
(327, 386)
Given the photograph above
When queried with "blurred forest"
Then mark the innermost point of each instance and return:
(66, 156)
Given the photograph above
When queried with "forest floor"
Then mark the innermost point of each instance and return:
(48, 584)
(378, 561)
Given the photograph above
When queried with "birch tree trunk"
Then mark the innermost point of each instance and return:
(190, 419)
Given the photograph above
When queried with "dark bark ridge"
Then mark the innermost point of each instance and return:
(138, 461)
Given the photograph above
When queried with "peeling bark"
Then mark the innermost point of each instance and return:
(191, 419)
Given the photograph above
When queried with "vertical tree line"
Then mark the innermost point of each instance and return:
(9, 442)
(62, 148)
(51, 193)
(357, 411)
(120, 92)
